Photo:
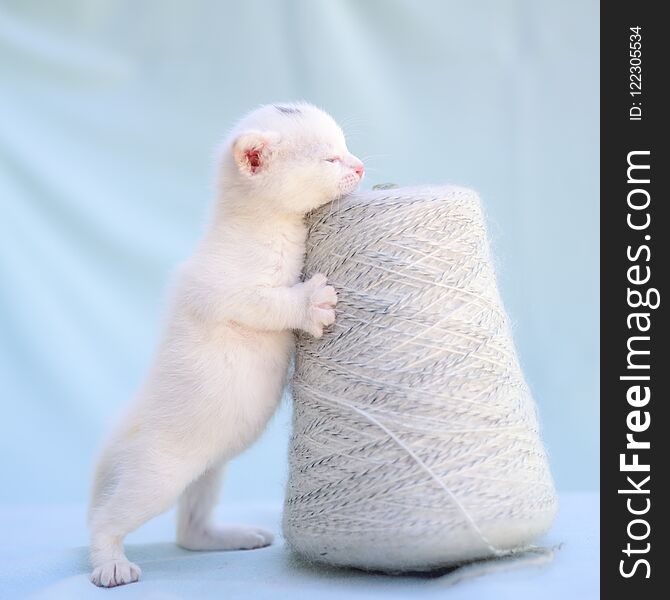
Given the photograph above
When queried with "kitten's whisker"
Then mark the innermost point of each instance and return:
(373, 156)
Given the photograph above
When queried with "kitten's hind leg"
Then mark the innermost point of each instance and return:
(195, 529)
(146, 482)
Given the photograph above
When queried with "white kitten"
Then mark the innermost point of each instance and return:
(220, 369)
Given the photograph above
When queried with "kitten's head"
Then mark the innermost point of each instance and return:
(289, 157)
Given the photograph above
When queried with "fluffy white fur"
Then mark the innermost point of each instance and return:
(220, 369)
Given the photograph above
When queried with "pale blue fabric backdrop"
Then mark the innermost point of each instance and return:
(109, 111)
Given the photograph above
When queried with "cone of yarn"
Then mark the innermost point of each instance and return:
(415, 439)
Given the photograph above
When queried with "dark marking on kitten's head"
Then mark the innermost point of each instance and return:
(287, 110)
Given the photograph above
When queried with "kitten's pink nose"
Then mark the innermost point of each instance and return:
(359, 170)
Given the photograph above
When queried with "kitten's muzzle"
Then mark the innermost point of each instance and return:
(356, 166)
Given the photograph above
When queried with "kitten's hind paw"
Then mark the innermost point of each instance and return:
(231, 537)
(115, 572)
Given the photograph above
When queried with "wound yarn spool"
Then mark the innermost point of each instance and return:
(415, 439)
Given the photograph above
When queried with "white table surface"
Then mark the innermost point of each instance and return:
(43, 555)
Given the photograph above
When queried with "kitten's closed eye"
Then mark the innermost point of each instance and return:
(333, 159)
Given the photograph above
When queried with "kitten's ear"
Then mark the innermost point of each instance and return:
(253, 151)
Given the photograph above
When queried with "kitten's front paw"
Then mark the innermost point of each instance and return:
(230, 537)
(321, 301)
(115, 572)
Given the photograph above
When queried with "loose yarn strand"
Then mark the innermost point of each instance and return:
(495, 551)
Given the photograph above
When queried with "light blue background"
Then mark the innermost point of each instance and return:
(108, 114)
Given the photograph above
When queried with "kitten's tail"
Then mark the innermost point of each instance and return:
(102, 482)
(109, 464)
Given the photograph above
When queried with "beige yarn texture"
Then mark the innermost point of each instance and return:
(415, 441)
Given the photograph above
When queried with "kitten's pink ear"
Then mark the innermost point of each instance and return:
(253, 151)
